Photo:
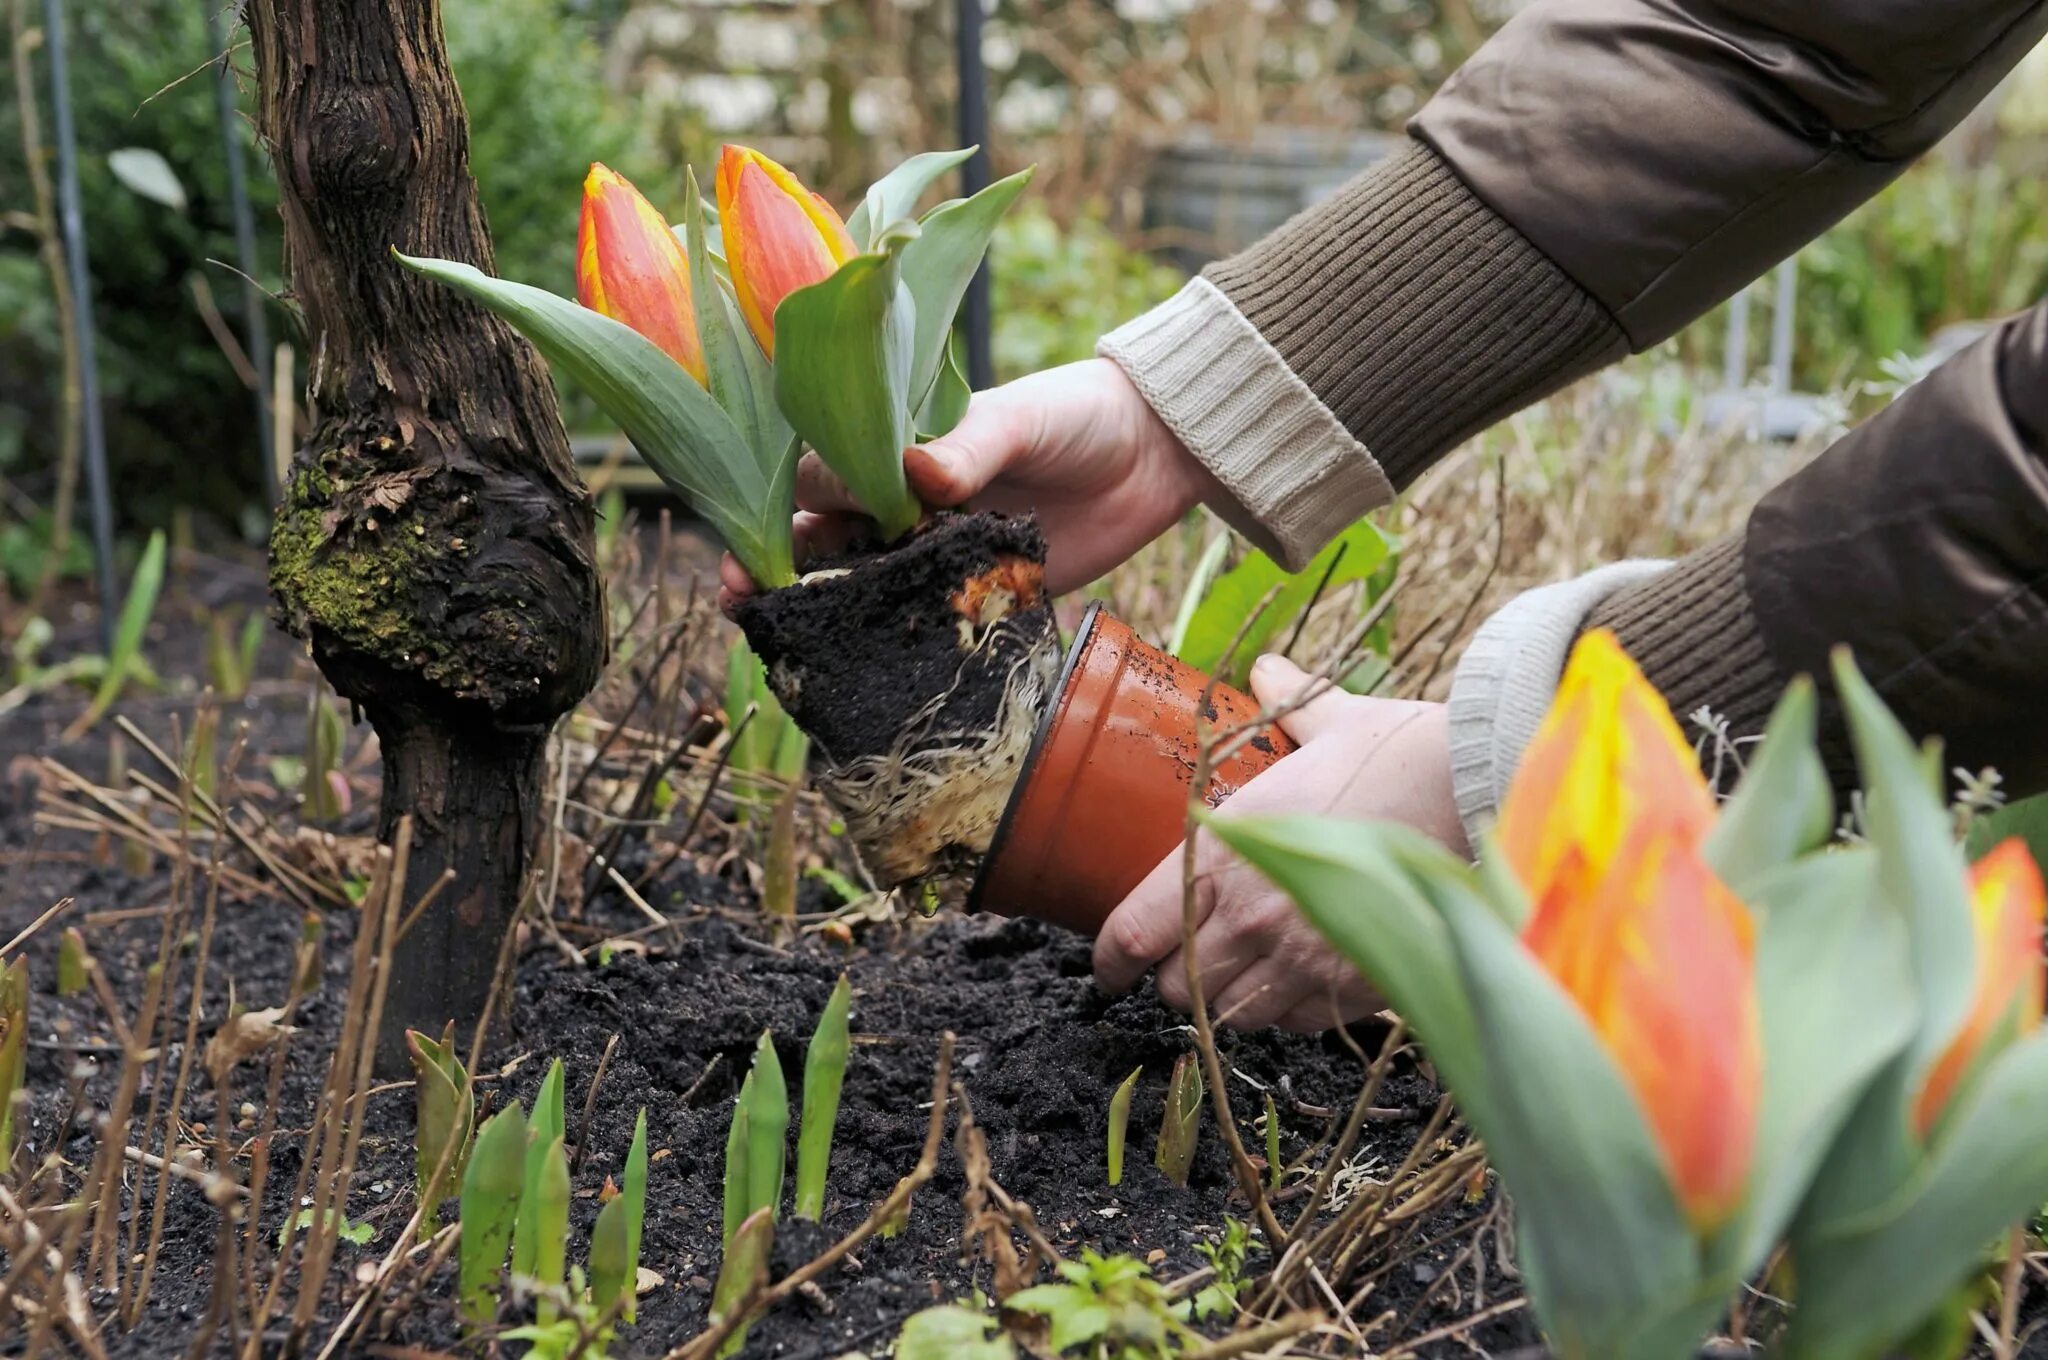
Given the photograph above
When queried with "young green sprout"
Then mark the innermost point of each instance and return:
(1273, 1167)
(71, 962)
(13, 1048)
(778, 869)
(611, 1272)
(446, 1110)
(744, 1269)
(756, 1152)
(1120, 1123)
(551, 1229)
(1181, 1123)
(824, 1074)
(634, 1196)
(490, 1205)
(543, 1128)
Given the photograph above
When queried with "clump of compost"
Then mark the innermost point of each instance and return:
(920, 672)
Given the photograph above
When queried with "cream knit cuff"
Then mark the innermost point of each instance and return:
(1296, 477)
(1507, 678)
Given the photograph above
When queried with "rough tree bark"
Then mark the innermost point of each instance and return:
(434, 545)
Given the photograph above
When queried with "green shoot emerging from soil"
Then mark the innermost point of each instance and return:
(544, 1128)
(744, 1270)
(755, 1151)
(824, 1073)
(490, 1205)
(550, 1219)
(13, 1048)
(1180, 1124)
(71, 962)
(446, 1111)
(1120, 1123)
(634, 1197)
(1274, 1170)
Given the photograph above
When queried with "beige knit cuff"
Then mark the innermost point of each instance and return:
(1296, 478)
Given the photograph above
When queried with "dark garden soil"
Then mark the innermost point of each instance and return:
(1039, 1052)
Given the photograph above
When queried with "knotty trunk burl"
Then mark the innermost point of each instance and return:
(434, 546)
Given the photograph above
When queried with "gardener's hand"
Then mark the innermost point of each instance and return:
(1077, 444)
(1261, 962)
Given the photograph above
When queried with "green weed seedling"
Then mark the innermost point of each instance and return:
(1180, 1124)
(1120, 1123)
(953, 1331)
(1110, 1305)
(490, 1206)
(824, 1074)
(446, 1109)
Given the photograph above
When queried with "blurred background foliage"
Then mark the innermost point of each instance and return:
(1132, 109)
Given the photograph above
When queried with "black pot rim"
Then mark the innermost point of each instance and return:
(1082, 632)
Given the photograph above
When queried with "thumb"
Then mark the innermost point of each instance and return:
(1276, 681)
(955, 467)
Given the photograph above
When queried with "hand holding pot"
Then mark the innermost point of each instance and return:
(1261, 962)
(1076, 444)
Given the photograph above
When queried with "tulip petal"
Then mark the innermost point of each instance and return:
(779, 236)
(2007, 905)
(1674, 998)
(631, 268)
(1608, 752)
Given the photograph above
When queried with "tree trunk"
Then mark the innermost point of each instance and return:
(434, 545)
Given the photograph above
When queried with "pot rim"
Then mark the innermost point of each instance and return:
(1046, 721)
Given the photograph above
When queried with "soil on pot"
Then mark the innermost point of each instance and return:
(919, 672)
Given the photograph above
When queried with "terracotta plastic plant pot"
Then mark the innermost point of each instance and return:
(1104, 792)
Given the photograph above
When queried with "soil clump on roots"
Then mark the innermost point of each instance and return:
(919, 672)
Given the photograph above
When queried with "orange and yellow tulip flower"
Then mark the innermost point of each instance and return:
(779, 236)
(1603, 828)
(2007, 907)
(630, 267)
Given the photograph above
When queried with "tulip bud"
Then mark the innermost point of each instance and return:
(1603, 827)
(779, 236)
(2007, 907)
(630, 267)
(1607, 752)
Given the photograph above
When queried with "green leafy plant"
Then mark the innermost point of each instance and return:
(13, 1048)
(1109, 1305)
(756, 1152)
(1120, 1123)
(445, 1108)
(1180, 1123)
(1762, 1036)
(1360, 553)
(491, 1189)
(1226, 1256)
(824, 1074)
(355, 1234)
(804, 328)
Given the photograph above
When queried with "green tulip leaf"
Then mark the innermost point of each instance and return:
(945, 406)
(1606, 1251)
(490, 1203)
(824, 1075)
(937, 267)
(633, 1194)
(1783, 807)
(1356, 884)
(1869, 1282)
(612, 1269)
(682, 432)
(894, 196)
(842, 376)
(1832, 983)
